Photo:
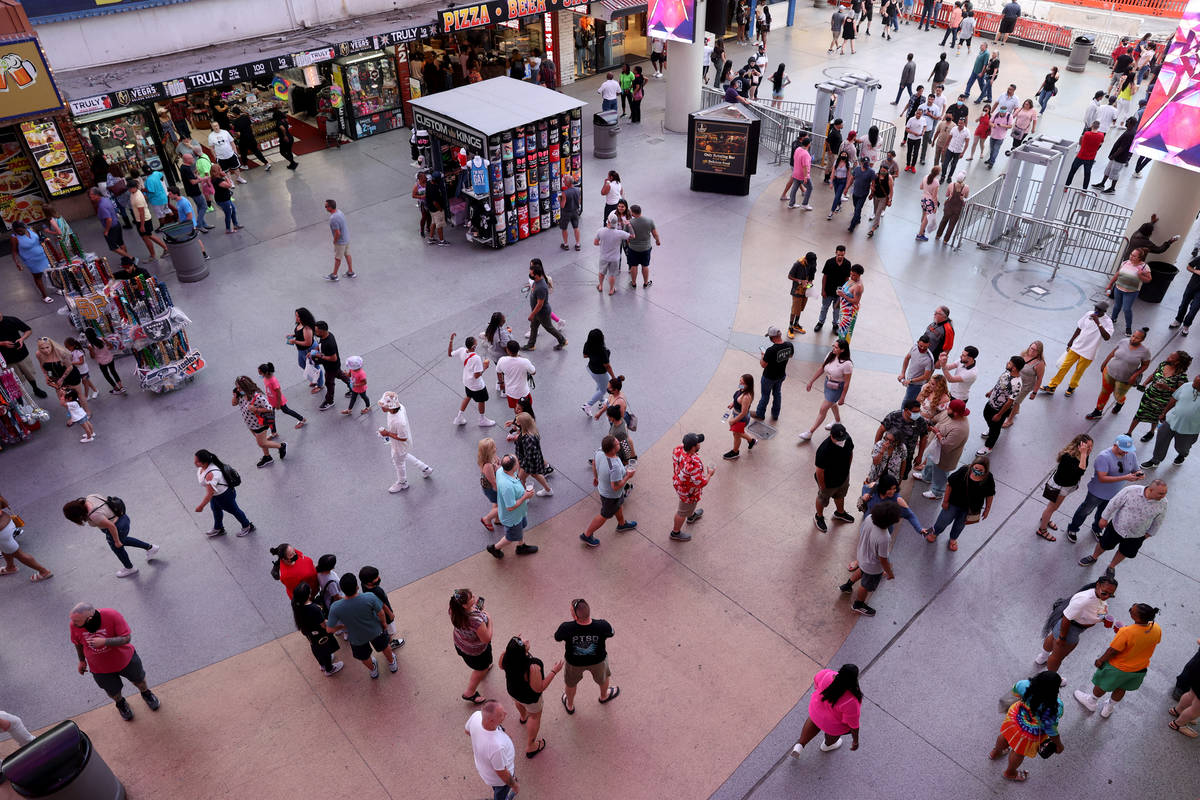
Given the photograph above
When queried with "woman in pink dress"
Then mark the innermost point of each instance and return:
(833, 709)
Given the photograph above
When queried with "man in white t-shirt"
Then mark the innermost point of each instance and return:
(960, 137)
(1091, 329)
(473, 367)
(1106, 115)
(960, 376)
(514, 372)
(495, 756)
(221, 143)
(609, 239)
(609, 90)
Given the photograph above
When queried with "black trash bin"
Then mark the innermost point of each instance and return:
(184, 246)
(1081, 50)
(62, 764)
(1155, 289)
(604, 134)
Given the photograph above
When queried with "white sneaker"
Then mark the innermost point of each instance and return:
(398, 487)
(395, 665)
(93, 395)
(87, 439)
(586, 409)
(484, 422)
(125, 573)
(917, 476)
(545, 492)
(374, 667)
(334, 670)
(929, 495)
(825, 748)
(828, 425)
(425, 473)
(1107, 707)
(983, 451)
(1086, 699)
(807, 208)
(805, 436)
(797, 749)
(1041, 658)
(152, 552)
(240, 179)
(460, 419)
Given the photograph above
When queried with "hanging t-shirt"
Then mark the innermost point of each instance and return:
(479, 175)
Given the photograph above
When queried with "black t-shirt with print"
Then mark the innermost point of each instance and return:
(777, 357)
(584, 643)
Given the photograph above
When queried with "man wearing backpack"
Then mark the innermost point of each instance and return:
(108, 514)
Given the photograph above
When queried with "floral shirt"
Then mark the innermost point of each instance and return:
(254, 411)
(1006, 387)
(892, 464)
(689, 476)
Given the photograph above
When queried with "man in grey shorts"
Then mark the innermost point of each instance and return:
(584, 639)
(609, 239)
(571, 203)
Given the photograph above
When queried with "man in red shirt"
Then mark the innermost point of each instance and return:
(101, 637)
(689, 478)
(1089, 145)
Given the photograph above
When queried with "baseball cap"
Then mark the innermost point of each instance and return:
(772, 332)
(838, 431)
(959, 408)
(1124, 442)
(690, 440)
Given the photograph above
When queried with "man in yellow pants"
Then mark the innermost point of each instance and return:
(1091, 329)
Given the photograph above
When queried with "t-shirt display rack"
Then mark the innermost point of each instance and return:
(19, 415)
(136, 316)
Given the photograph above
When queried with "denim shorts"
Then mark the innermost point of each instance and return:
(833, 391)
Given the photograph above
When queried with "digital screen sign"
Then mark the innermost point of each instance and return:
(674, 20)
(1170, 126)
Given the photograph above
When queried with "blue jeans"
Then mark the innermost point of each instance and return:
(772, 388)
(911, 392)
(1044, 99)
(936, 476)
(201, 205)
(953, 516)
(1090, 503)
(601, 380)
(609, 105)
(1189, 305)
(302, 360)
(985, 88)
(807, 184)
(127, 541)
(1124, 301)
(500, 792)
(900, 91)
(839, 186)
(858, 201)
(826, 302)
(994, 146)
(226, 501)
(971, 82)
(230, 212)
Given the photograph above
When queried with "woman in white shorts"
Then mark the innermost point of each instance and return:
(12, 551)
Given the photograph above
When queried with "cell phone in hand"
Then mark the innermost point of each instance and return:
(479, 603)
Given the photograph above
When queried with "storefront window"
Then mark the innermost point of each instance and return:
(125, 138)
(371, 84)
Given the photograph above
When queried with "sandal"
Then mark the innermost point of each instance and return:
(541, 745)
(474, 699)
(9, 570)
(953, 545)
(490, 527)
(1007, 424)
(613, 693)
(931, 537)
(994, 755)
(37, 577)
(853, 565)
(1021, 776)
(1173, 711)
(1045, 534)
(1051, 526)
(1184, 729)
(564, 702)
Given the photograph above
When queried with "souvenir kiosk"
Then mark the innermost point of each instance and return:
(503, 146)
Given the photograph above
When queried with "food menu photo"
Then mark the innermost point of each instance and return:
(20, 194)
(50, 154)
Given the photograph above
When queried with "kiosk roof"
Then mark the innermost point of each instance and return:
(496, 105)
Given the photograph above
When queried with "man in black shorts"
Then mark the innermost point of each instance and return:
(102, 641)
(571, 203)
(361, 616)
(1133, 515)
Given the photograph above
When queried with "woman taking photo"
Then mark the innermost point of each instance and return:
(526, 678)
(1125, 284)
(302, 340)
(833, 709)
(472, 639)
(1072, 465)
(1032, 375)
(310, 620)
(1169, 376)
(529, 454)
(968, 499)
(1030, 724)
(488, 462)
(258, 416)
(836, 369)
(887, 458)
(596, 354)
(739, 415)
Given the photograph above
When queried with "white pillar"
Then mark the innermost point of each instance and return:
(684, 76)
(1173, 193)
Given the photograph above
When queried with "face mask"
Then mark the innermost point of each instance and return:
(93, 623)
(842, 443)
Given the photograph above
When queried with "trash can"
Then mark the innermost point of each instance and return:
(1161, 275)
(604, 134)
(1081, 50)
(186, 255)
(62, 764)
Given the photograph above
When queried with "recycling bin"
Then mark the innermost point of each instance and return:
(1081, 50)
(604, 134)
(1161, 275)
(184, 246)
(62, 764)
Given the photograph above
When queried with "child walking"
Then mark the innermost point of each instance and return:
(275, 396)
(102, 353)
(80, 363)
(358, 384)
(69, 399)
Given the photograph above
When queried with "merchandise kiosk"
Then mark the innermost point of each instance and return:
(722, 148)
(503, 146)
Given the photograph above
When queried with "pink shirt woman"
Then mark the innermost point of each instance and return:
(839, 718)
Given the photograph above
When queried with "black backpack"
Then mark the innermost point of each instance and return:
(116, 505)
(233, 478)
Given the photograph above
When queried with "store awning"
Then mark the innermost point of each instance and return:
(478, 110)
(612, 9)
(42, 12)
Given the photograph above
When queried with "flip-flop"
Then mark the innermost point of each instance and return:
(564, 702)
(490, 527)
(1045, 534)
(994, 756)
(9, 571)
(1173, 711)
(612, 292)
(1020, 777)
(613, 693)
(1051, 526)
(1184, 729)
(953, 545)
(36, 578)
(541, 746)
(474, 699)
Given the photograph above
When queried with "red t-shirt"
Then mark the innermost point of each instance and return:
(290, 575)
(1089, 144)
(105, 659)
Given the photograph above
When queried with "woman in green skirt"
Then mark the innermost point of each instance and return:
(1122, 667)
(1170, 375)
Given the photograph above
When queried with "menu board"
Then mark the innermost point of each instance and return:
(720, 147)
(50, 153)
(20, 195)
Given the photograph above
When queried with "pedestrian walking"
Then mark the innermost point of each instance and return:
(1030, 726)
(310, 621)
(585, 651)
(689, 476)
(610, 478)
(1122, 368)
(475, 389)
(836, 369)
(801, 276)
(835, 27)
(286, 139)
(929, 201)
(526, 679)
(495, 757)
(1180, 423)
(472, 639)
(220, 482)
(357, 378)
(27, 253)
(1090, 330)
(221, 143)
(341, 241)
(1189, 304)
(362, 617)
(512, 508)
(950, 430)
(1125, 284)
(916, 369)
(874, 549)
(539, 305)
(978, 70)
(968, 500)
(1071, 467)
(1118, 157)
(908, 75)
(597, 356)
(1085, 156)
(1069, 617)
(881, 192)
(1158, 390)
(11, 551)
(841, 177)
(274, 392)
(398, 434)
(831, 466)
(834, 273)
(833, 709)
(1000, 402)
(489, 469)
(739, 415)
(304, 340)
(774, 361)
(1122, 666)
(102, 640)
(610, 239)
(1133, 515)
(1001, 122)
(108, 514)
(258, 415)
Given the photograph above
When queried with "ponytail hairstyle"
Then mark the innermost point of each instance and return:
(300, 597)
(460, 615)
(266, 369)
(71, 342)
(1145, 612)
(94, 339)
(208, 458)
(845, 681)
(493, 325)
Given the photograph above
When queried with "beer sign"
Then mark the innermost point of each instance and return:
(26, 86)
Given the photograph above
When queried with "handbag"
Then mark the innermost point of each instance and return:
(16, 518)
(1047, 748)
(974, 517)
(1051, 492)
(631, 421)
